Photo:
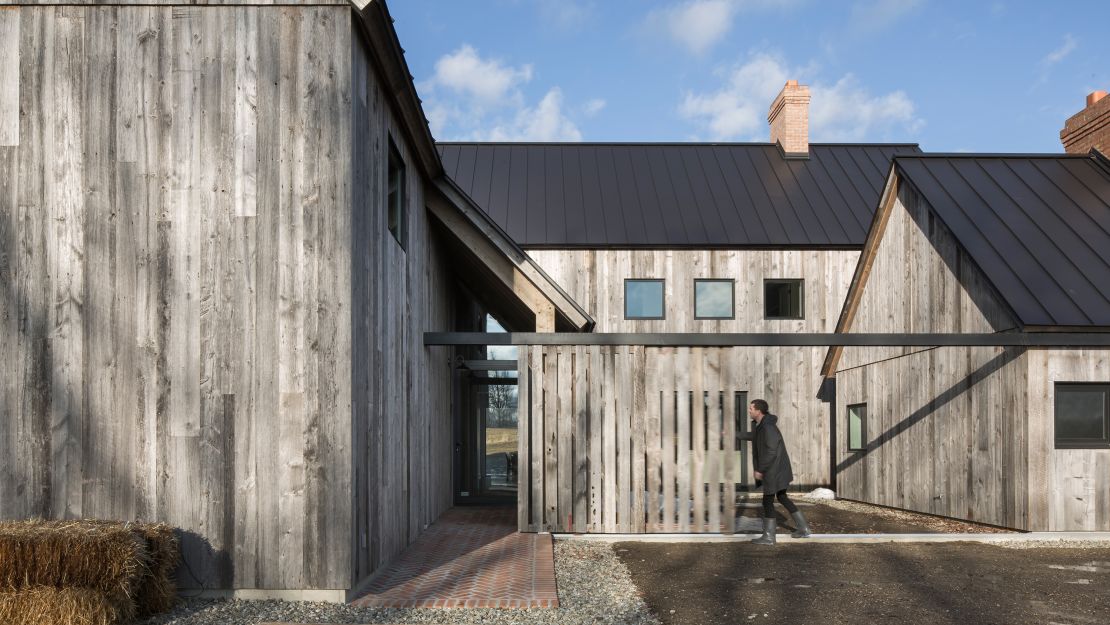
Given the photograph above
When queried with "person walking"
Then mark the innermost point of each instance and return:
(772, 471)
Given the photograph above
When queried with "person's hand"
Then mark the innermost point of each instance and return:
(758, 475)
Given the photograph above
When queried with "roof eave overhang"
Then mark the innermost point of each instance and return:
(473, 228)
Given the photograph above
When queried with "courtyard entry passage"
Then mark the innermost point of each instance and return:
(486, 444)
(471, 557)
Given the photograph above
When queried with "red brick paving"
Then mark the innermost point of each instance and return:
(470, 558)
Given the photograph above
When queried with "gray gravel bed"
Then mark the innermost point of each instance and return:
(594, 587)
(1053, 544)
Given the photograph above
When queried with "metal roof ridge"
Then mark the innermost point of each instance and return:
(1025, 155)
(668, 143)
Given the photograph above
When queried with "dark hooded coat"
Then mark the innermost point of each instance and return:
(769, 456)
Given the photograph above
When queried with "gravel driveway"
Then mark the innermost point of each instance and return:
(594, 587)
(959, 583)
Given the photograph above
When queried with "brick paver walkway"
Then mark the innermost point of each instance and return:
(472, 558)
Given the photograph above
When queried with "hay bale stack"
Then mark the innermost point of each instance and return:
(46, 605)
(157, 592)
(65, 563)
(106, 557)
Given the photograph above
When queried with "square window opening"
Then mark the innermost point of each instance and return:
(783, 299)
(714, 299)
(643, 299)
(1082, 415)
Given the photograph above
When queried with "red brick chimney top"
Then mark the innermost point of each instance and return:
(1095, 96)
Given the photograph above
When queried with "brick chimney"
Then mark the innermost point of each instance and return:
(789, 119)
(1089, 128)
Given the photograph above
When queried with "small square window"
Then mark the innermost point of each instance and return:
(643, 299)
(857, 427)
(1082, 416)
(395, 198)
(783, 299)
(713, 299)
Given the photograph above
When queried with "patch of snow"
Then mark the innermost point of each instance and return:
(820, 493)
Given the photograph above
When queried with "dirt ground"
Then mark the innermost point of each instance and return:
(849, 517)
(815, 584)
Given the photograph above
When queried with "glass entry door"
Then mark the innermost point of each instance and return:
(486, 432)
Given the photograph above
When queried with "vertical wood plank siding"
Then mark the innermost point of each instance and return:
(402, 444)
(628, 464)
(203, 319)
(787, 377)
(970, 409)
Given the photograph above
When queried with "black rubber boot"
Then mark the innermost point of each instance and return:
(768, 537)
(802, 530)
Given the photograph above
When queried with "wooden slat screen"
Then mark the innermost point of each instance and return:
(614, 439)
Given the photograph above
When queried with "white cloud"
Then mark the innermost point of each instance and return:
(698, 25)
(472, 98)
(484, 81)
(1059, 54)
(871, 15)
(566, 14)
(593, 107)
(843, 110)
(544, 122)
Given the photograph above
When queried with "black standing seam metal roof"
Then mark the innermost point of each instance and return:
(701, 195)
(1038, 226)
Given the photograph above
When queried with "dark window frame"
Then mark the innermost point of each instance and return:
(395, 206)
(862, 426)
(732, 300)
(663, 295)
(1074, 443)
(801, 282)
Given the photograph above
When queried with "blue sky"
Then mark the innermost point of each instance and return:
(995, 76)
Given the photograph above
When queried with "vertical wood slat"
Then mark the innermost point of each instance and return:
(9, 75)
(65, 197)
(539, 481)
(597, 424)
(728, 467)
(639, 412)
(564, 456)
(624, 438)
(551, 441)
(712, 372)
(609, 437)
(697, 427)
(667, 440)
(652, 445)
(581, 440)
(524, 441)
(682, 419)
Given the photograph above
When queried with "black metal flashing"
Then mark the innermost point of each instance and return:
(769, 339)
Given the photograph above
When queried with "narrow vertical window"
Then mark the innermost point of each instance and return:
(857, 427)
(643, 299)
(1082, 419)
(713, 299)
(395, 198)
(783, 299)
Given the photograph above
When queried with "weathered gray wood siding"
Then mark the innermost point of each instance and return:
(402, 390)
(787, 377)
(922, 281)
(175, 296)
(946, 427)
(615, 439)
(1069, 489)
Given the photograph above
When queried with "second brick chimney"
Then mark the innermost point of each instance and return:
(1089, 128)
(789, 119)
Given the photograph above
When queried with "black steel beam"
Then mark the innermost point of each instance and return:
(768, 339)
